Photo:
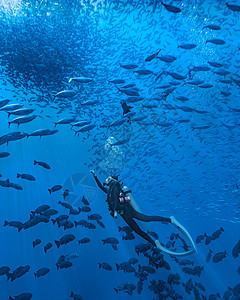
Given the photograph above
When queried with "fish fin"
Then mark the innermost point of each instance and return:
(57, 243)
(50, 191)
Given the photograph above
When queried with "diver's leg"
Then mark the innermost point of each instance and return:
(141, 217)
(129, 220)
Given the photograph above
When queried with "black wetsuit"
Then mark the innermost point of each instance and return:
(128, 213)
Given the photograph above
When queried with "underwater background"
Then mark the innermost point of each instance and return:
(176, 65)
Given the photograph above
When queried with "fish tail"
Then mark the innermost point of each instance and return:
(6, 223)
(9, 124)
(99, 265)
(34, 162)
(9, 275)
(18, 175)
(57, 243)
(35, 275)
(117, 266)
(50, 191)
(116, 290)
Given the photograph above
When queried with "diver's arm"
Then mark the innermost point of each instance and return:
(99, 183)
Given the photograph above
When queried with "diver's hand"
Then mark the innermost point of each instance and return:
(93, 173)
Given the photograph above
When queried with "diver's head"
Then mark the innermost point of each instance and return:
(110, 179)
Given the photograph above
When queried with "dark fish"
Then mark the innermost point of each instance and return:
(26, 176)
(21, 112)
(4, 102)
(199, 238)
(64, 240)
(129, 92)
(236, 250)
(171, 8)
(65, 94)
(49, 212)
(19, 272)
(4, 154)
(40, 209)
(129, 67)
(219, 256)
(120, 142)
(217, 233)
(105, 266)
(36, 242)
(41, 272)
(126, 108)
(167, 58)
(14, 136)
(212, 26)
(15, 224)
(216, 41)
(65, 121)
(117, 81)
(209, 255)
(85, 128)
(43, 132)
(215, 64)
(75, 296)
(22, 120)
(47, 247)
(187, 46)
(65, 194)
(233, 7)
(55, 188)
(85, 209)
(84, 241)
(23, 296)
(84, 200)
(4, 270)
(42, 164)
(151, 57)
(112, 241)
(11, 107)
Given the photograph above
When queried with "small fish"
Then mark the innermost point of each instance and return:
(105, 266)
(42, 164)
(26, 176)
(41, 272)
(36, 242)
(151, 57)
(209, 255)
(4, 154)
(233, 7)
(47, 247)
(187, 46)
(55, 188)
(219, 256)
(171, 8)
(216, 41)
(212, 26)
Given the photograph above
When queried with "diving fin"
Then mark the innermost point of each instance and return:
(183, 230)
(160, 247)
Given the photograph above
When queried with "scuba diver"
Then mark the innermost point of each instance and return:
(120, 201)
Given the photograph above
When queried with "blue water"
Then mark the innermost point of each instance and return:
(172, 170)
